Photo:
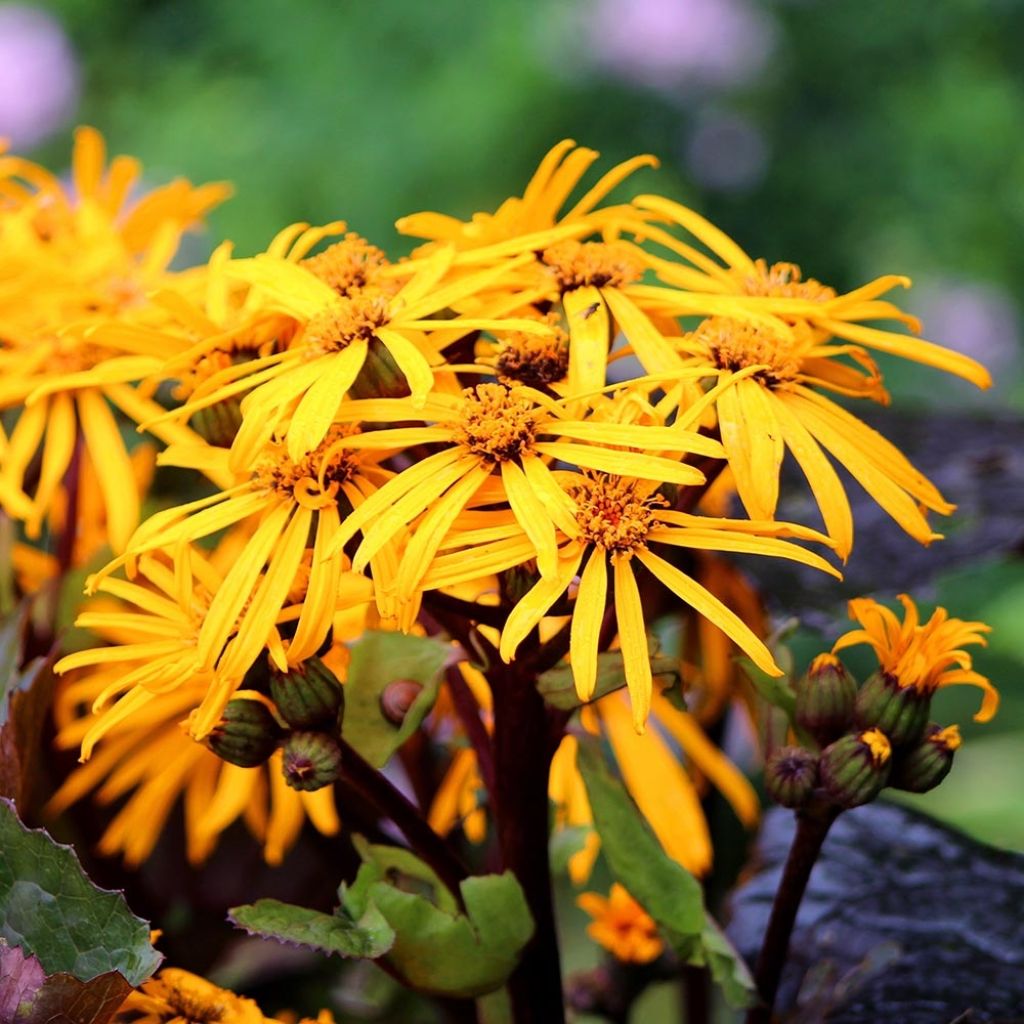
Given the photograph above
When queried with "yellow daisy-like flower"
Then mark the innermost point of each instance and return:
(617, 521)
(622, 926)
(767, 402)
(500, 439)
(781, 290)
(292, 502)
(308, 379)
(68, 265)
(175, 996)
(925, 656)
(535, 219)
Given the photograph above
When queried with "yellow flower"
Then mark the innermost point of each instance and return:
(780, 289)
(926, 656)
(622, 926)
(617, 519)
(175, 996)
(767, 402)
(496, 443)
(292, 502)
(70, 264)
(335, 334)
(535, 219)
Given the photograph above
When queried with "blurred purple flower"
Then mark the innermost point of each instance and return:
(726, 152)
(38, 75)
(979, 319)
(718, 44)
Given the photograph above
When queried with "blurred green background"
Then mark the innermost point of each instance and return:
(852, 138)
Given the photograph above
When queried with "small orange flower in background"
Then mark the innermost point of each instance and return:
(622, 926)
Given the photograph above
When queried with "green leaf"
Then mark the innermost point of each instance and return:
(557, 688)
(451, 954)
(728, 969)
(367, 938)
(565, 844)
(438, 948)
(50, 909)
(379, 657)
(663, 887)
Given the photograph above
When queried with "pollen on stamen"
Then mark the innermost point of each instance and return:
(349, 265)
(349, 319)
(495, 423)
(600, 264)
(736, 344)
(534, 360)
(615, 513)
(785, 281)
(325, 468)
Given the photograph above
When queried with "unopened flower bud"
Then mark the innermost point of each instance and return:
(923, 766)
(247, 733)
(308, 695)
(218, 423)
(791, 775)
(901, 712)
(311, 760)
(397, 697)
(855, 768)
(825, 697)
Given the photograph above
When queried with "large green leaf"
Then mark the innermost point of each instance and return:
(50, 909)
(663, 887)
(557, 688)
(439, 949)
(367, 938)
(379, 658)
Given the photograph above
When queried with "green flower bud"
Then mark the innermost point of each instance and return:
(218, 423)
(825, 697)
(855, 768)
(791, 775)
(397, 697)
(901, 712)
(311, 760)
(923, 766)
(308, 695)
(247, 733)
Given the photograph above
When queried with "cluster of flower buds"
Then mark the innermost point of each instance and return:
(857, 740)
(301, 711)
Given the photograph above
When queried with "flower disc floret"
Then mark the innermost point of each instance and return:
(349, 265)
(785, 281)
(327, 467)
(598, 264)
(350, 319)
(496, 424)
(613, 512)
(737, 344)
(534, 360)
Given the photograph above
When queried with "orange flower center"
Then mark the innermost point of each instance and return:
(600, 264)
(348, 265)
(614, 513)
(495, 423)
(351, 318)
(532, 360)
(325, 468)
(736, 344)
(784, 281)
